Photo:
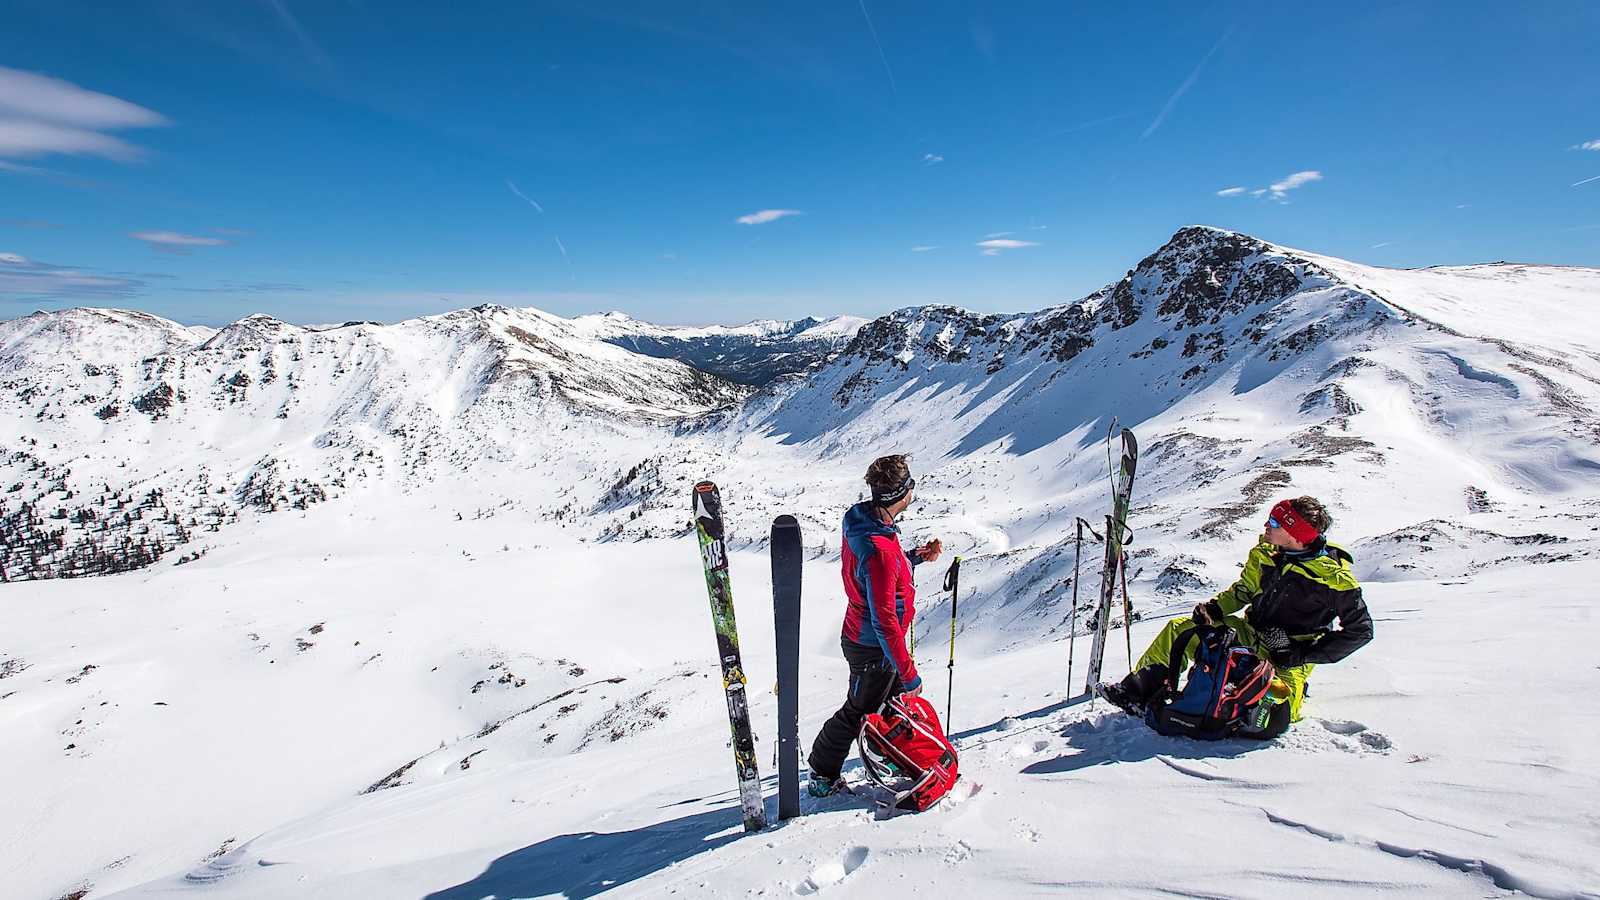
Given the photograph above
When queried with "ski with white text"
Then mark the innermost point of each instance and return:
(1116, 534)
(714, 555)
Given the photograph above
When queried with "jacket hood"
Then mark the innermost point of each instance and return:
(862, 521)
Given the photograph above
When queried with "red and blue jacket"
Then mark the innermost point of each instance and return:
(877, 579)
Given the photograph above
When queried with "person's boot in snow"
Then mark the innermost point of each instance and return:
(1132, 693)
(823, 786)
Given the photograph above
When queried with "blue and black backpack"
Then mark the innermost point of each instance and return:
(1224, 693)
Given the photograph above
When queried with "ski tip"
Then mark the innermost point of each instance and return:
(785, 521)
(705, 487)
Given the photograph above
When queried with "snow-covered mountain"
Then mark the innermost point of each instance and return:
(755, 353)
(186, 428)
(448, 635)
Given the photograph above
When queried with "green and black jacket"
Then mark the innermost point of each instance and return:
(1303, 593)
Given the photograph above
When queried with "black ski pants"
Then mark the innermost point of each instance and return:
(873, 680)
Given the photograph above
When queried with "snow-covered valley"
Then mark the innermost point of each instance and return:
(426, 620)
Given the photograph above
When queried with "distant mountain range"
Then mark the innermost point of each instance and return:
(112, 412)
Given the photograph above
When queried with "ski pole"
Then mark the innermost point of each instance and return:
(1127, 609)
(1072, 628)
(952, 580)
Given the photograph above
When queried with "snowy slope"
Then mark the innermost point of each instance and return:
(483, 665)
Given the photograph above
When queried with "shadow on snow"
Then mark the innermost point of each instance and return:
(587, 863)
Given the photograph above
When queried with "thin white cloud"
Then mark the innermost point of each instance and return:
(893, 88)
(764, 216)
(923, 248)
(1589, 145)
(1278, 190)
(32, 96)
(1469, 205)
(1382, 245)
(22, 278)
(1585, 181)
(525, 198)
(312, 50)
(27, 138)
(1298, 179)
(999, 234)
(1188, 83)
(176, 242)
(932, 159)
(40, 116)
(994, 247)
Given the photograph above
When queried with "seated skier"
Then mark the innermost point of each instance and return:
(881, 604)
(1296, 585)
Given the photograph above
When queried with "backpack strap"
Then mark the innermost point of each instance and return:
(1175, 662)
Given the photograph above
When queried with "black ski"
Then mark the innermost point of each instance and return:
(786, 558)
(714, 554)
(1116, 531)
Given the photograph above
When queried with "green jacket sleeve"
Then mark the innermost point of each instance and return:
(1244, 591)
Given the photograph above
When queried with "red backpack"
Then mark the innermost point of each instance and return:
(906, 743)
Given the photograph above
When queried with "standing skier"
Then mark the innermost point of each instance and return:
(1296, 585)
(882, 603)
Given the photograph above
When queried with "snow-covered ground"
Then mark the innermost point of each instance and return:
(481, 663)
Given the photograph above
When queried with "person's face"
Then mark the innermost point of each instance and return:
(900, 506)
(1277, 537)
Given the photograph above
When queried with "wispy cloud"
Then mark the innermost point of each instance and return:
(176, 242)
(999, 234)
(996, 247)
(1278, 190)
(762, 217)
(1298, 179)
(1188, 83)
(923, 248)
(893, 88)
(1588, 145)
(1585, 181)
(23, 279)
(42, 116)
(525, 198)
(312, 50)
(1382, 245)
(564, 258)
(931, 159)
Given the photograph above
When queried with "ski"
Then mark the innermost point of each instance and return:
(1116, 531)
(714, 554)
(786, 559)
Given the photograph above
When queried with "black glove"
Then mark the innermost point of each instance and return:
(1208, 613)
(1290, 656)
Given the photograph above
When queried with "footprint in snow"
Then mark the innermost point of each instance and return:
(1029, 748)
(1371, 740)
(831, 873)
(1343, 726)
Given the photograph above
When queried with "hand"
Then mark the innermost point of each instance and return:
(931, 550)
(914, 692)
(1290, 656)
(1201, 615)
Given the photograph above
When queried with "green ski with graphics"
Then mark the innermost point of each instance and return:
(714, 554)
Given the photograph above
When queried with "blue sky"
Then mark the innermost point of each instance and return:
(350, 159)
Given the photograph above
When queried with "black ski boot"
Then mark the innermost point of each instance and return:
(1132, 693)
